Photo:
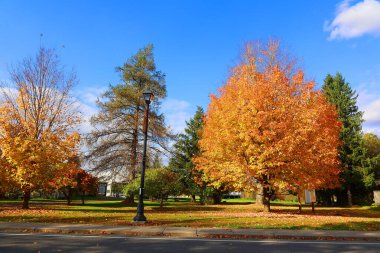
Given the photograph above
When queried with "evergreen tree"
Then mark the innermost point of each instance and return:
(339, 93)
(116, 143)
(184, 151)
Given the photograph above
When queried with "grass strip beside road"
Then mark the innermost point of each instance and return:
(231, 214)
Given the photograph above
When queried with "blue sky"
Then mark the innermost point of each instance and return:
(196, 43)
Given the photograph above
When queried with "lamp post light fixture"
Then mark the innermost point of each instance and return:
(140, 217)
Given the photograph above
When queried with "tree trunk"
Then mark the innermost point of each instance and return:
(2, 195)
(25, 203)
(266, 199)
(193, 198)
(82, 197)
(329, 201)
(135, 133)
(67, 195)
(312, 207)
(129, 199)
(349, 196)
(162, 201)
(202, 196)
(217, 197)
(260, 194)
(299, 204)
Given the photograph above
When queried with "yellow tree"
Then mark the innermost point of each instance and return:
(6, 185)
(269, 128)
(37, 122)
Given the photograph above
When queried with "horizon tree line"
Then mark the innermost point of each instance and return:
(268, 129)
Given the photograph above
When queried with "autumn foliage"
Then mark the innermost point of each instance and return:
(269, 128)
(37, 124)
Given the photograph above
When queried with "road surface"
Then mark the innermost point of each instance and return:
(42, 243)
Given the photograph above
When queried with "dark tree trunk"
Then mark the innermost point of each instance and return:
(193, 198)
(202, 196)
(299, 204)
(82, 197)
(217, 197)
(349, 196)
(162, 201)
(134, 162)
(129, 199)
(2, 195)
(67, 195)
(267, 193)
(266, 198)
(25, 203)
(329, 201)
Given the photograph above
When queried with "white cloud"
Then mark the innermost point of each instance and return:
(372, 112)
(176, 113)
(86, 103)
(86, 112)
(89, 95)
(369, 103)
(362, 18)
(372, 130)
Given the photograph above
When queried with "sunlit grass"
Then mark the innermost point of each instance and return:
(232, 213)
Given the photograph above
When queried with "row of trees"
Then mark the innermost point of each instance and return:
(39, 141)
(271, 131)
(267, 130)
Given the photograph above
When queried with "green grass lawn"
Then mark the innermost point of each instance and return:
(233, 213)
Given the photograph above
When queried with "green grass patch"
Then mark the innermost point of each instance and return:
(233, 213)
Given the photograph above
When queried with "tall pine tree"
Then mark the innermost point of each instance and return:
(115, 144)
(339, 93)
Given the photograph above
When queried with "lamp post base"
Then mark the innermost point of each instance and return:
(139, 219)
(138, 222)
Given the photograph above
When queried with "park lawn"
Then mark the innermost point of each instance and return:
(231, 214)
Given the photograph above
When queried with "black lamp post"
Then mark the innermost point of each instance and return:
(148, 96)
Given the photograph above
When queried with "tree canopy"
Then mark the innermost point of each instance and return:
(38, 120)
(269, 127)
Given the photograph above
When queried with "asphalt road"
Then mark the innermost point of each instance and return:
(20, 243)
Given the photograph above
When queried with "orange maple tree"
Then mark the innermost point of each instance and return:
(37, 123)
(269, 128)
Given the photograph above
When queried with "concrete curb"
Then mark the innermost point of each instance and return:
(186, 232)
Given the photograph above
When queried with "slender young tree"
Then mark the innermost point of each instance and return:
(38, 119)
(340, 94)
(115, 144)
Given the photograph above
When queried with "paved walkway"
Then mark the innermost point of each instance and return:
(138, 230)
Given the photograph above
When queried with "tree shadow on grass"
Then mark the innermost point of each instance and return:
(89, 211)
(190, 208)
(190, 222)
(126, 220)
(237, 203)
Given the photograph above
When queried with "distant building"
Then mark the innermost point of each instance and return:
(110, 186)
